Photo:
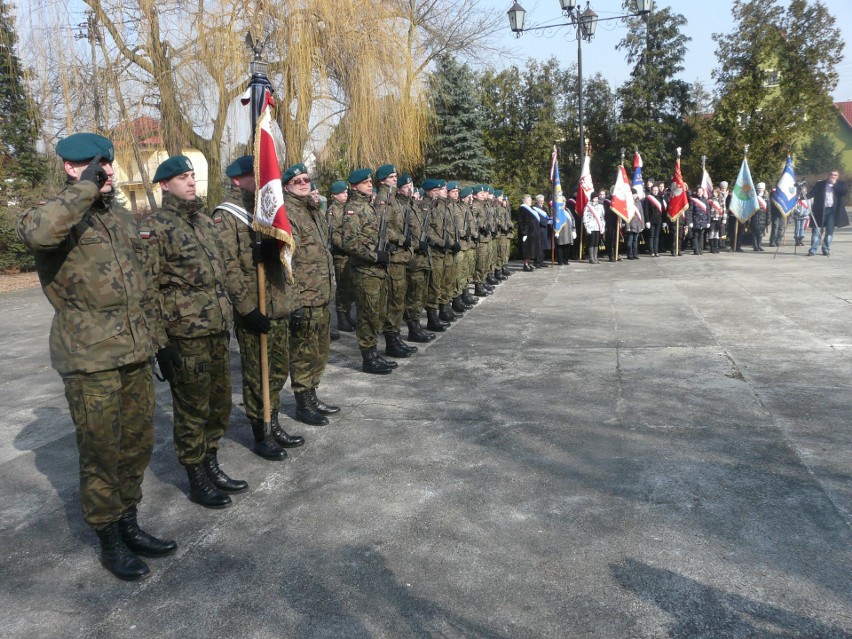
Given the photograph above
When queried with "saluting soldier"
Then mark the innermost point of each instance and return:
(100, 344)
(397, 219)
(418, 268)
(343, 297)
(313, 290)
(193, 323)
(243, 250)
(364, 231)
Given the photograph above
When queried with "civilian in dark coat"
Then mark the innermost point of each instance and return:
(829, 210)
(528, 233)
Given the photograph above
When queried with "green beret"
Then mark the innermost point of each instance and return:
(338, 187)
(430, 184)
(314, 186)
(442, 184)
(490, 189)
(463, 193)
(175, 165)
(478, 188)
(384, 171)
(499, 192)
(404, 179)
(85, 146)
(421, 191)
(240, 166)
(452, 185)
(293, 171)
(359, 175)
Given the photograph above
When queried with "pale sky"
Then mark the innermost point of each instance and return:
(704, 17)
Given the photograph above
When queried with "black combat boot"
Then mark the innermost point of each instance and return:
(117, 557)
(417, 334)
(140, 542)
(467, 298)
(434, 323)
(282, 438)
(400, 344)
(333, 334)
(201, 489)
(321, 406)
(343, 323)
(306, 412)
(479, 290)
(445, 314)
(506, 270)
(498, 275)
(218, 476)
(458, 306)
(392, 349)
(489, 279)
(265, 445)
(371, 363)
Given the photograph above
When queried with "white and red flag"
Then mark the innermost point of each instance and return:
(622, 197)
(270, 214)
(679, 201)
(585, 188)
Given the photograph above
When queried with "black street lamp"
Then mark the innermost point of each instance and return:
(585, 23)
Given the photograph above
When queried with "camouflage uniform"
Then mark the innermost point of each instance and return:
(194, 315)
(313, 290)
(88, 260)
(345, 296)
(361, 233)
(398, 217)
(419, 266)
(483, 248)
(439, 246)
(471, 233)
(451, 258)
(237, 239)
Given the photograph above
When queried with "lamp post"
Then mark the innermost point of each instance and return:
(585, 22)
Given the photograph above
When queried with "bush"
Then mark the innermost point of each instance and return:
(14, 256)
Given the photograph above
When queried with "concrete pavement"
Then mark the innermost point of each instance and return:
(657, 448)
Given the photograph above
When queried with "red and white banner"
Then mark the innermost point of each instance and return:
(622, 197)
(585, 188)
(270, 214)
(679, 201)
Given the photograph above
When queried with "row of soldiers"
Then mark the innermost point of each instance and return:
(168, 289)
(398, 250)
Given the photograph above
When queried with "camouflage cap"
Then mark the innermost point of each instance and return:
(175, 165)
(293, 171)
(359, 175)
(385, 171)
(241, 166)
(81, 147)
(338, 187)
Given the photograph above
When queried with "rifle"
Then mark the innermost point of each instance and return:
(383, 233)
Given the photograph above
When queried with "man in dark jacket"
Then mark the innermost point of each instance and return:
(828, 211)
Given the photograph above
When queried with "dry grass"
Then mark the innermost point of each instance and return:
(17, 281)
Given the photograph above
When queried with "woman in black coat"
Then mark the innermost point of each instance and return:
(528, 232)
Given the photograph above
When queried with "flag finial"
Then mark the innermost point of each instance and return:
(745, 153)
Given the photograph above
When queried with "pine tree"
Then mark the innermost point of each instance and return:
(457, 148)
(818, 156)
(18, 124)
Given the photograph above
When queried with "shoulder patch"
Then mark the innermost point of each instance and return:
(350, 212)
(217, 219)
(145, 235)
(42, 203)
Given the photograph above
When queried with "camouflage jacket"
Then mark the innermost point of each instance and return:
(88, 260)
(440, 233)
(480, 209)
(420, 213)
(336, 213)
(186, 258)
(398, 218)
(504, 221)
(237, 239)
(361, 233)
(466, 224)
(313, 267)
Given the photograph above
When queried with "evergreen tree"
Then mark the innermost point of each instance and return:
(457, 149)
(654, 105)
(18, 125)
(818, 156)
(776, 70)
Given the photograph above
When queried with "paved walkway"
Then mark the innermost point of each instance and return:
(657, 448)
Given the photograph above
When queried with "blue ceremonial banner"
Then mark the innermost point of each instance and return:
(560, 218)
(744, 200)
(784, 197)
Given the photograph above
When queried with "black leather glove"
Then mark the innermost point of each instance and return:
(423, 246)
(382, 257)
(456, 247)
(95, 173)
(265, 251)
(297, 318)
(256, 322)
(169, 359)
(407, 243)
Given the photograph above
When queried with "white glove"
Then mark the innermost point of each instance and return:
(690, 225)
(524, 238)
(573, 235)
(707, 226)
(647, 225)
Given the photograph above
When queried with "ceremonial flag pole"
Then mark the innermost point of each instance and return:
(785, 197)
(679, 201)
(560, 215)
(744, 201)
(584, 191)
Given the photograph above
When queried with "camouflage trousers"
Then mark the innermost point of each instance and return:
(448, 292)
(461, 272)
(483, 252)
(201, 396)
(113, 414)
(277, 349)
(309, 349)
(500, 252)
(371, 297)
(415, 294)
(343, 275)
(397, 284)
(470, 263)
(436, 280)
